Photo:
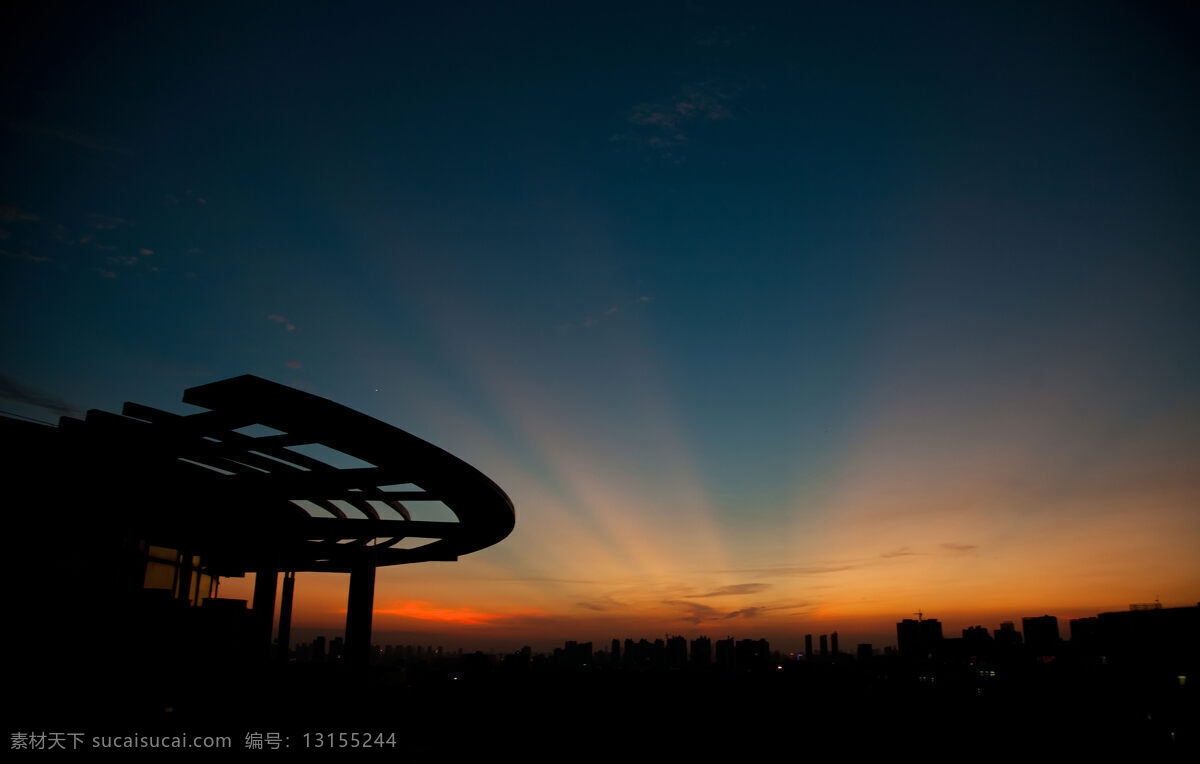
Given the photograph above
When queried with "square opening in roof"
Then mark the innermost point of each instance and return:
(277, 459)
(259, 431)
(331, 456)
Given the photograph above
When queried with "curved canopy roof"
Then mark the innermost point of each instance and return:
(199, 484)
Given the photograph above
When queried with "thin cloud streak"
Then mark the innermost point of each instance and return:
(663, 125)
(12, 390)
(735, 589)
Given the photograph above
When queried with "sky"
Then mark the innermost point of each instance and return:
(771, 319)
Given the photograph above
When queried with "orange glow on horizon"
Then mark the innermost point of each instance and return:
(423, 611)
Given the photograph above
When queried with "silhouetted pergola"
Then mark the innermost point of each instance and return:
(235, 503)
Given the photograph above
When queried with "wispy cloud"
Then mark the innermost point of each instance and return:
(540, 579)
(281, 320)
(608, 314)
(603, 603)
(663, 125)
(735, 589)
(105, 222)
(694, 612)
(901, 552)
(81, 140)
(294, 365)
(804, 570)
(188, 196)
(24, 256)
(697, 613)
(952, 547)
(12, 390)
(749, 612)
(11, 214)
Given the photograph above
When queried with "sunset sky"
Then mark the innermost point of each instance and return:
(769, 320)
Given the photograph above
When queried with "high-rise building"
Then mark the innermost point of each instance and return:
(824, 644)
(976, 640)
(808, 650)
(676, 652)
(1007, 635)
(701, 651)
(931, 630)
(833, 643)
(1041, 634)
(725, 653)
(918, 639)
(576, 655)
(753, 654)
(908, 638)
(1085, 632)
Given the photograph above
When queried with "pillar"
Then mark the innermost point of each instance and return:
(359, 608)
(285, 616)
(264, 609)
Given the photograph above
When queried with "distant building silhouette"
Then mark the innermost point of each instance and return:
(808, 646)
(753, 654)
(1007, 636)
(701, 651)
(1041, 634)
(918, 638)
(676, 652)
(976, 640)
(726, 658)
(1149, 634)
(1085, 633)
(519, 661)
(575, 655)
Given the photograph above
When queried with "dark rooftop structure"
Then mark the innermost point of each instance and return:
(115, 515)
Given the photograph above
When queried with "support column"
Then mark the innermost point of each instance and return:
(359, 609)
(285, 616)
(264, 610)
(183, 581)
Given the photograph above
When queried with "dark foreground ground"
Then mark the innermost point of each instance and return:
(434, 714)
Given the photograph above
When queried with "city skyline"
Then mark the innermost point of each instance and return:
(764, 319)
(878, 631)
(811, 645)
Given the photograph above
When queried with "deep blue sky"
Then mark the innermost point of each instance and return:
(758, 256)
